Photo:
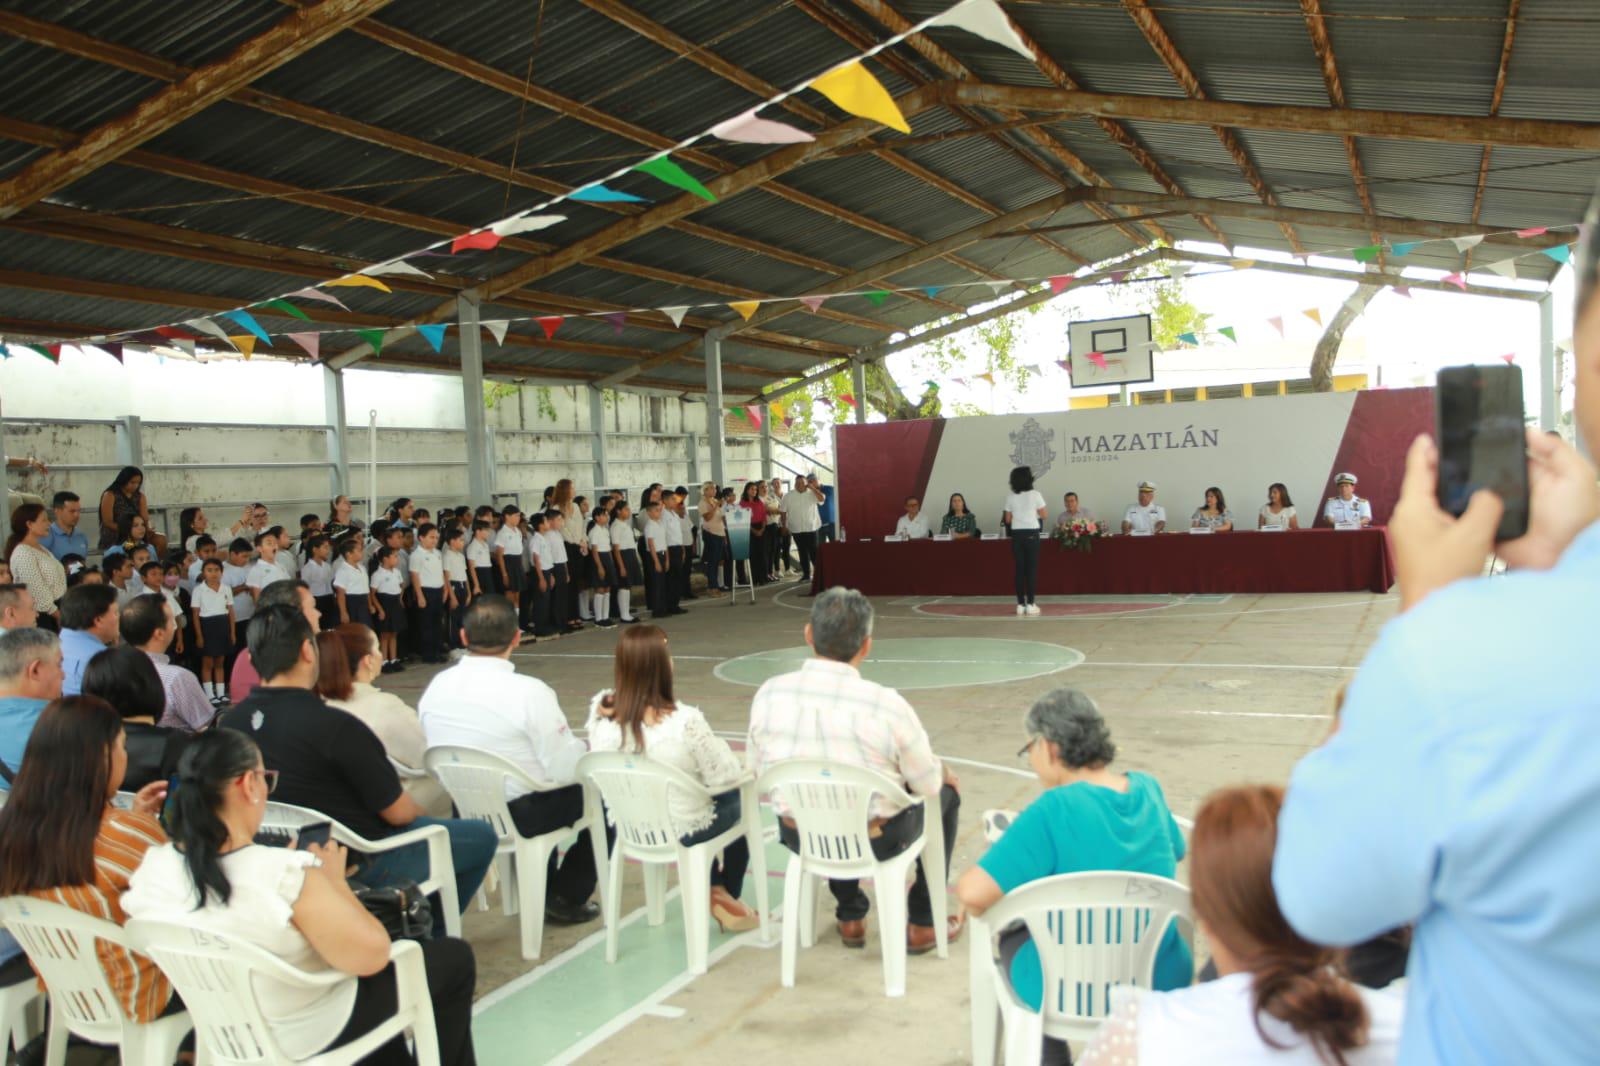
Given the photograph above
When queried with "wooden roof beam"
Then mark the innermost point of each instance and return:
(1183, 74)
(1360, 277)
(1388, 125)
(296, 34)
(1322, 44)
(1512, 9)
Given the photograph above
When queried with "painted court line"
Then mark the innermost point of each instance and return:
(1259, 714)
(1221, 666)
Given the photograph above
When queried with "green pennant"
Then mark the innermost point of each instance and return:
(373, 337)
(287, 308)
(738, 412)
(876, 297)
(662, 168)
(1227, 331)
(1368, 253)
(44, 350)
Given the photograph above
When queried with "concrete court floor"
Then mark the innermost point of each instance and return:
(1200, 692)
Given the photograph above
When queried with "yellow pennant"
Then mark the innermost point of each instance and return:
(776, 408)
(1243, 264)
(746, 308)
(356, 281)
(852, 88)
(246, 344)
(1313, 314)
(985, 376)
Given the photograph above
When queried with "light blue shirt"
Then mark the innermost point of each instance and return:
(77, 648)
(1462, 794)
(60, 543)
(18, 714)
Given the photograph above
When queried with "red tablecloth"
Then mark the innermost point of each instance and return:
(1306, 560)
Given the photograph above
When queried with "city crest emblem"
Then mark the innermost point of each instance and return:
(1030, 447)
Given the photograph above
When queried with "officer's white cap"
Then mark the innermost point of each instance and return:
(1147, 486)
(1345, 479)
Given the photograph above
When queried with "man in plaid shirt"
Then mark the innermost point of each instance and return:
(827, 710)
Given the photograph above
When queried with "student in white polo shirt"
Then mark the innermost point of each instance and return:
(427, 587)
(317, 572)
(672, 535)
(1025, 513)
(482, 702)
(654, 537)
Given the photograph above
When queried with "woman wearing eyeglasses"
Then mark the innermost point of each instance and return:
(1089, 818)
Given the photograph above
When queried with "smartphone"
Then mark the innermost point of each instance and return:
(315, 833)
(169, 804)
(1479, 424)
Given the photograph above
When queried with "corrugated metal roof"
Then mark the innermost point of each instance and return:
(1401, 55)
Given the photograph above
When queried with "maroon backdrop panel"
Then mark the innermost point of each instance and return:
(879, 466)
(1382, 426)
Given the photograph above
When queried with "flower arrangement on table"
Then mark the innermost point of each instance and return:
(1079, 534)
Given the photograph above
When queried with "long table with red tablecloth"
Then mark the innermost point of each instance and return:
(1305, 560)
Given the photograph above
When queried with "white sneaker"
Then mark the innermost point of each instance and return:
(1033, 608)
(1021, 609)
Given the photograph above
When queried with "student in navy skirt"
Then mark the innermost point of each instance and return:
(602, 568)
(391, 612)
(625, 551)
(507, 549)
(351, 588)
(480, 557)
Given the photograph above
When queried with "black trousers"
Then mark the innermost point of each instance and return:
(430, 623)
(805, 545)
(452, 977)
(729, 872)
(456, 615)
(1025, 556)
(672, 593)
(896, 835)
(557, 595)
(572, 879)
(327, 606)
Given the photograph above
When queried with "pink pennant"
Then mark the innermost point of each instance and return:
(1457, 280)
(1403, 290)
(845, 397)
(1509, 357)
(1277, 324)
(1098, 359)
(318, 294)
(482, 240)
(1060, 282)
(753, 413)
(618, 319)
(549, 323)
(1064, 365)
(749, 129)
(1533, 231)
(1117, 276)
(311, 342)
(812, 302)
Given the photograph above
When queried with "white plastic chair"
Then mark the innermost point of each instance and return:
(214, 974)
(637, 791)
(21, 1014)
(60, 943)
(830, 804)
(1093, 931)
(404, 772)
(441, 866)
(476, 781)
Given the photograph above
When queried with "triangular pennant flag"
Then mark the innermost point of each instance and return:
(852, 88)
(185, 344)
(1506, 268)
(1457, 280)
(746, 308)
(984, 18)
(876, 297)
(1277, 324)
(1064, 364)
(318, 294)
(1533, 231)
(311, 342)
(845, 397)
(433, 333)
(930, 291)
(357, 281)
(172, 333)
(775, 409)
(496, 328)
(662, 168)
(45, 350)
(1367, 253)
(395, 266)
(812, 302)
(1178, 270)
(618, 319)
(675, 314)
(1059, 282)
(1465, 243)
(600, 194)
(287, 308)
(1313, 314)
(1188, 338)
(5, 352)
(998, 287)
(826, 401)
(1509, 357)
(1227, 331)
(1403, 290)
(248, 321)
(748, 128)
(737, 412)
(1098, 359)
(114, 350)
(246, 345)
(1561, 253)
(960, 381)
(788, 420)
(1403, 248)
(374, 338)
(754, 416)
(549, 323)
(210, 328)
(931, 385)
(1241, 264)
(482, 240)
(525, 224)
(985, 376)
(1118, 276)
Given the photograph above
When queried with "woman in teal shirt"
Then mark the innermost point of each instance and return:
(1089, 818)
(958, 521)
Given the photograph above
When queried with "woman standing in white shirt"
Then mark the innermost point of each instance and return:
(1025, 515)
(640, 714)
(292, 903)
(1279, 510)
(1279, 999)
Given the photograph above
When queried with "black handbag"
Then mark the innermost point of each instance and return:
(403, 910)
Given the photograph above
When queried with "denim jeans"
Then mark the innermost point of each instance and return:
(1025, 554)
(472, 847)
(726, 813)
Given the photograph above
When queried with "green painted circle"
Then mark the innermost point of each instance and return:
(913, 663)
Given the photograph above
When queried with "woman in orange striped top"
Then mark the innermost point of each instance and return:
(62, 841)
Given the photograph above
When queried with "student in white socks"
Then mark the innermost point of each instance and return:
(602, 568)
(625, 554)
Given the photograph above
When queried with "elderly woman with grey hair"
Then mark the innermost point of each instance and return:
(1088, 818)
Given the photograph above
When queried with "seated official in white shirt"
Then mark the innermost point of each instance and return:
(482, 702)
(1146, 516)
(1278, 512)
(1073, 513)
(1347, 509)
(913, 525)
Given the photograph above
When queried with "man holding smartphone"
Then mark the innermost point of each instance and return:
(1459, 794)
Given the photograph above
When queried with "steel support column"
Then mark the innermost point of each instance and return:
(597, 438)
(714, 428)
(479, 478)
(766, 449)
(1548, 385)
(338, 445)
(858, 385)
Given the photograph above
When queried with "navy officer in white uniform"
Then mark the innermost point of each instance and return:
(1347, 508)
(913, 525)
(1146, 516)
